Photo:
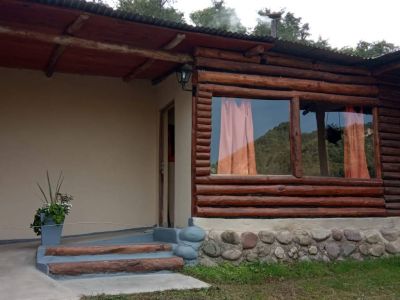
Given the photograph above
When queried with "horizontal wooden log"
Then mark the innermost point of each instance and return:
(389, 136)
(203, 114)
(287, 83)
(100, 250)
(205, 107)
(389, 112)
(392, 191)
(289, 190)
(391, 167)
(204, 101)
(71, 41)
(202, 171)
(204, 134)
(204, 94)
(235, 91)
(387, 68)
(203, 142)
(390, 120)
(203, 128)
(392, 212)
(204, 155)
(389, 128)
(385, 102)
(225, 55)
(287, 179)
(389, 143)
(292, 212)
(116, 266)
(256, 50)
(289, 201)
(203, 148)
(391, 175)
(303, 63)
(251, 68)
(392, 198)
(393, 205)
(390, 151)
(202, 163)
(387, 183)
(204, 121)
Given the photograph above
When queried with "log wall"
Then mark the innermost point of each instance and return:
(389, 132)
(221, 73)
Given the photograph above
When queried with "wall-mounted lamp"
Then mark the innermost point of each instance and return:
(183, 76)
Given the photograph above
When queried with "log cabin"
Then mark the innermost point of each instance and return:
(268, 137)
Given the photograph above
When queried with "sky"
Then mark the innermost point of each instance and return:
(342, 22)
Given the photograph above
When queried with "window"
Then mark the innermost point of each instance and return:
(250, 136)
(337, 140)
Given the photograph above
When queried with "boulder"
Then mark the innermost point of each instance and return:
(230, 237)
(279, 252)
(390, 234)
(393, 247)
(267, 237)
(302, 237)
(263, 250)
(352, 235)
(232, 254)
(333, 250)
(313, 250)
(377, 250)
(192, 234)
(364, 249)
(211, 248)
(186, 252)
(337, 234)
(373, 237)
(284, 237)
(249, 240)
(320, 235)
(348, 248)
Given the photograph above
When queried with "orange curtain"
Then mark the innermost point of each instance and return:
(355, 161)
(236, 144)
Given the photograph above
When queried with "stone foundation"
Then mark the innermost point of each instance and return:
(296, 244)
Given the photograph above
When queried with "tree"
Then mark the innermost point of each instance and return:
(370, 50)
(289, 28)
(161, 9)
(218, 16)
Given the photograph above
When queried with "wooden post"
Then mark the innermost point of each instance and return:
(295, 138)
(322, 154)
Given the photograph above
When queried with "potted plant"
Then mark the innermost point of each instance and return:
(49, 218)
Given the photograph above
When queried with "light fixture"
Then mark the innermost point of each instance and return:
(183, 75)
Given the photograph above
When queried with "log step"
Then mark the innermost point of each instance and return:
(116, 266)
(108, 249)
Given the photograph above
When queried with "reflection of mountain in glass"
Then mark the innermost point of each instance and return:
(273, 151)
(335, 154)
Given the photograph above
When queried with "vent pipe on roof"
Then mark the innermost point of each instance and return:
(275, 17)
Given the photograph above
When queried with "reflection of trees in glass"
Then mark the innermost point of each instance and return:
(273, 151)
(335, 154)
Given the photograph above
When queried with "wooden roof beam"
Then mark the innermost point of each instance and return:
(387, 68)
(71, 41)
(59, 49)
(148, 63)
(256, 50)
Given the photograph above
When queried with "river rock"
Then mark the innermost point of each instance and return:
(267, 237)
(279, 252)
(232, 254)
(337, 234)
(377, 250)
(249, 240)
(313, 250)
(211, 248)
(284, 237)
(186, 252)
(230, 237)
(352, 235)
(348, 248)
(364, 249)
(192, 234)
(333, 250)
(390, 234)
(393, 247)
(372, 237)
(251, 257)
(302, 237)
(320, 235)
(263, 250)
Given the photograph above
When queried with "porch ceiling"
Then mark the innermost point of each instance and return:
(18, 52)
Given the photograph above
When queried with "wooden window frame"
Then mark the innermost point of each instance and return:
(202, 129)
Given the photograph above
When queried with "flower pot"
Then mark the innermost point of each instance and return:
(51, 232)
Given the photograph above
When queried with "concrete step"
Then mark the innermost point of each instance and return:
(105, 249)
(115, 266)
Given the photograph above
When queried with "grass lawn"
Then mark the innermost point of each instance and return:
(371, 279)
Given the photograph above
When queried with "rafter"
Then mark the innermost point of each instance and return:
(148, 63)
(59, 49)
(95, 45)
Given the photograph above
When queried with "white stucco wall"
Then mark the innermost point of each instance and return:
(166, 92)
(101, 132)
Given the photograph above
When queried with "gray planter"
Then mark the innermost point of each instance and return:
(51, 232)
